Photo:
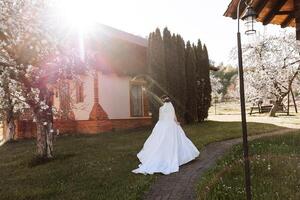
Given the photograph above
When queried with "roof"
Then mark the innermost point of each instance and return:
(116, 33)
(111, 50)
(118, 52)
(280, 12)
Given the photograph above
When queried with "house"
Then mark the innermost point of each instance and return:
(285, 13)
(106, 97)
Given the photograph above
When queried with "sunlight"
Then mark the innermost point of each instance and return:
(80, 15)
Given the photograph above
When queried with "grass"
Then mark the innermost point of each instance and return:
(275, 170)
(94, 167)
(226, 108)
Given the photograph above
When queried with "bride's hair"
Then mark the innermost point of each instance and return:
(165, 98)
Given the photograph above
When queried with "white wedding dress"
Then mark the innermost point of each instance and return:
(167, 147)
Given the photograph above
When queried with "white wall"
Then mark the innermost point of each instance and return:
(114, 95)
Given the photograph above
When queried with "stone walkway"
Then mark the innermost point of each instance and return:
(182, 185)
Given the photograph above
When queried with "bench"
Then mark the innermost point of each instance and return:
(266, 109)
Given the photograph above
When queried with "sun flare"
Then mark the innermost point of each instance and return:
(78, 14)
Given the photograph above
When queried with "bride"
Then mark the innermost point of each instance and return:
(167, 147)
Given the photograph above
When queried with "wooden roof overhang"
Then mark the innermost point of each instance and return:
(285, 13)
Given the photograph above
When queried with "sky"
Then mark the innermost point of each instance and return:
(192, 19)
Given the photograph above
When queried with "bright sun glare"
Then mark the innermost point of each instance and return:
(79, 14)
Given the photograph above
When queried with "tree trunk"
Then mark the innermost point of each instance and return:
(10, 131)
(44, 124)
(10, 127)
(44, 138)
(273, 110)
(275, 107)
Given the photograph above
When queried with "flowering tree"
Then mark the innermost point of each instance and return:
(31, 48)
(12, 102)
(272, 65)
(216, 85)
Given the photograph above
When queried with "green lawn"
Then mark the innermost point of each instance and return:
(275, 171)
(94, 167)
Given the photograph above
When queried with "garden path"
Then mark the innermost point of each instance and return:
(182, 185)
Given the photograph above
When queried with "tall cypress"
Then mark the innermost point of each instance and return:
(180, 71)
(156, 70)
(203, 81)
(175, 66)
(199, 80)
(179, 76)
(171, 64)
(170, 60)
(191, 89)
(207, 85)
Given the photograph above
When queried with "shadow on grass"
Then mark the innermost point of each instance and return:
(37, 161)
(9, 142)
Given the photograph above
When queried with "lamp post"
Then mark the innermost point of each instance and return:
(249, 16)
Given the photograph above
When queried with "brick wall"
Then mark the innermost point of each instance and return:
(131, 123)
(65, 126)
(92, 127)
(27, 129)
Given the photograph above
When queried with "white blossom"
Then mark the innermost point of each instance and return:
(270, 63)
(216, 86)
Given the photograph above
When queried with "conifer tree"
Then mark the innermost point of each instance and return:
(199, 80)
(175, 67)
(171, 63)
(203, 81)
(180, 77)
(156, 70)
(170, 60)
(183, 72)
(207, 85)
(191, 89)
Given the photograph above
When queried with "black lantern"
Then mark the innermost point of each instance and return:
(250, 18)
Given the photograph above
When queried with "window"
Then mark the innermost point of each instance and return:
(79, 92)
(64, 93)
(65, 100)
(136, 100)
